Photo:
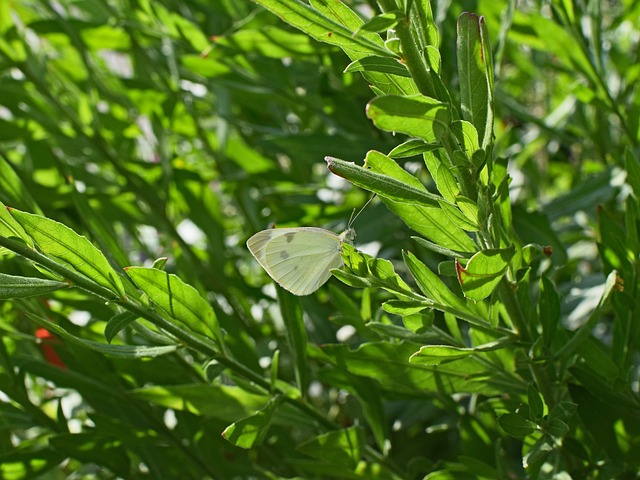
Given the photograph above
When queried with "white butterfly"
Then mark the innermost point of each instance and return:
(299, 259)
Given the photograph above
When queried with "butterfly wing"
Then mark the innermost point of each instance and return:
(298, 259)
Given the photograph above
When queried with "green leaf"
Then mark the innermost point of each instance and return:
(63, 244)
(412, 147)
(436, 290)
(563, 411)
(556, 428)
(216, 401)
(403, 308)
(516, 425)
(613, 244)
(10, 227)
(390, 331)
(428, 220)
(177, 299)
(208, 67)
(381, 184)
(443, 177)
(591, 190)
(363, 270)
(381, 163)
(13, 190)
(323, 28)
(469, 208)
(447, 252)
(12, 286)
(558, 40)
(432, 55)
(458, 218)
(560, 416)
(383, 22)
(583, 333)
(296, 335)
(438, 354)
(415, 115)
(538, 453)
(383, 83)
(420, 323)
(535, 402)
(341, 447)
(251, 431)
(483, 272)
(378, 64)
(128, 352)
(117, 323)
(466, 137)
(387, 363)
(475, 70)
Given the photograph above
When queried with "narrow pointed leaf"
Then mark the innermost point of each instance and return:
(366, 271)
(296, 334)
(384, 83)
(483, 272)
(476, 75)
(436, 290)
(129, 352)
(515, 425)
(536, 405)
(414, 115)
(382, 22)
(428, 220)
(117, 323)
(60, 242)
(12, 286)
(9, 226)
(381, 184)
(177, 299)
(437, 354)
(378, 64)
(13, 190)
(323, 28)
(251, 431)
(412, 148)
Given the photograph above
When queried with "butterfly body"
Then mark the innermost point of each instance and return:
(299, 259)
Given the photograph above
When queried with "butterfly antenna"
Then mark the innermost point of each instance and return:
(353, 218)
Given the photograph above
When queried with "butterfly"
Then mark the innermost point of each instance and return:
(299, 259)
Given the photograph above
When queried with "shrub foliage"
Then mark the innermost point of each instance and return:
(484, 325)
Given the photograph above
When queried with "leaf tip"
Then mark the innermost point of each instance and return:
(459, 271)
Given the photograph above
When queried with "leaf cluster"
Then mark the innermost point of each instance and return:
(484, 325)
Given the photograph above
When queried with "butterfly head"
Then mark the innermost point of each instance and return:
(348, 236)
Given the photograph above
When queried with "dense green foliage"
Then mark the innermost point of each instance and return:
(489, 331)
